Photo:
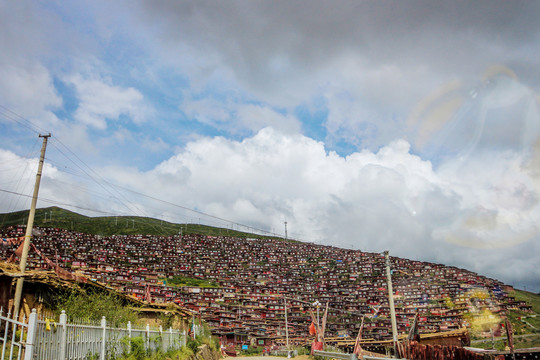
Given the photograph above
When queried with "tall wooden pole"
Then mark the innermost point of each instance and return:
(286, 322)
(391, 301)
(28, 235)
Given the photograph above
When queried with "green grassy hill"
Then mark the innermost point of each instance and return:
(113, 225)
(531, 298)
(526, 322)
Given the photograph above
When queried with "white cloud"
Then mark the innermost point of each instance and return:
(234, 117)
(209, 111)
(101, 101)
(500, 200)
(256, 117)
(29, 89)
(19, 178)
(60, 186)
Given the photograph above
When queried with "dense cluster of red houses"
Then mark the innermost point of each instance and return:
(253, 277)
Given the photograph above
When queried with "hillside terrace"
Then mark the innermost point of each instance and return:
(252, 277)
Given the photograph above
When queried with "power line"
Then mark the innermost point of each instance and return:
(13, 203)
(102, 182)
(196, 211)
(15, 117)
(87, 174)
(57, 202)
(11, 115)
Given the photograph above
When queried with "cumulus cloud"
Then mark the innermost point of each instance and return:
(59, 186)
(29, 90)
(19, 178)
(100, 101)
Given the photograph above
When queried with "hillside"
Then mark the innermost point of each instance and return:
(112, 225)
(530, 298)
(526, 325)
(239, 282)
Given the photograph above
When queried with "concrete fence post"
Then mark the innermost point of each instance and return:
(63, 338)
(147, 342)
(103, 338)
(161, 338)
(129, 337)
(170, 339)
(31, 336)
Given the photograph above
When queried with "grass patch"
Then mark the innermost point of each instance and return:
(534, 321)
(519, 327)
(531, 298)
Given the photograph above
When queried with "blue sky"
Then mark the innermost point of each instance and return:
(402, 126)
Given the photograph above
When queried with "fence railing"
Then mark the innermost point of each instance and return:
(45, 339)
(13, 335)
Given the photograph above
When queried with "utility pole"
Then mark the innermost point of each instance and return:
(29, 226)
(317, 304)
(286, 323)
(391, 300)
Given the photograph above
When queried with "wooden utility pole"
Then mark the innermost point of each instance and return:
(286, 323)
(28, 235)
(391, 301)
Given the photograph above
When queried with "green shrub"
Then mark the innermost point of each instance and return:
(93, 306)
(137, 348)
(193, 345)
(252, 350)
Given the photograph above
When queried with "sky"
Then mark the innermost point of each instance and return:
(408, 126)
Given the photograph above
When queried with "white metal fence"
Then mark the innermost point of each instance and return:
(44, 339)
(14, 336)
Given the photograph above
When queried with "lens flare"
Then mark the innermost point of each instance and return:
(484, 142)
